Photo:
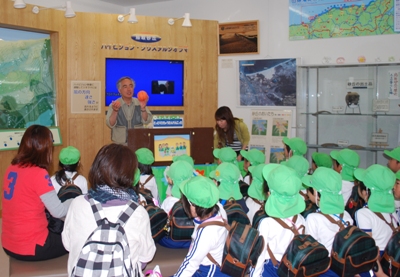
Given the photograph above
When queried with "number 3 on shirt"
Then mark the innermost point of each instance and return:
(12, 178)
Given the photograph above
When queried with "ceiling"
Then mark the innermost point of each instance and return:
(127, 3)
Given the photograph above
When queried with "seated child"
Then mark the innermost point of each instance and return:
(345, 162)
(178, 172)
(294, 147)
(145, 160)
(183, 157)
(327, 185)
(394, 159)
(376, 190)
(257, 198)
(301, 166)
(285, 203)
(251, 157)
(227, 177)
(69, 161)
(200, 197)
(320, 160)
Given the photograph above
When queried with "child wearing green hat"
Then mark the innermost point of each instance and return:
(69, 161)
(178, 172)
(394, 159)
(327, 185)
(256, 198)
(200, 200)
(251, 157)
(320, 160)
(285, 203)
(145, 159)
(227, 177)
(377, 214)
(301, 166)
(294, 146)
(345, 162)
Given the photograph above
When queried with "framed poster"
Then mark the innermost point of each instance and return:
(267, 82)
(238, 38)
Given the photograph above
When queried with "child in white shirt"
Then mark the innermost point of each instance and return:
(200, 197)
(147, 180)
(69, 161)
(284, 202)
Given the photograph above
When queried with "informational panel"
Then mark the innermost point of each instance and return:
(10, 139)
(196, 142)
(268, 128)
(85, 96)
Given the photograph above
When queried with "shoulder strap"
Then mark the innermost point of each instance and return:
(216, 223)
(390, 224)
(126, 214)
(304, 195)
(148, 179)
(284, 225)
(75, 176)
(97, 210)
(339, 223)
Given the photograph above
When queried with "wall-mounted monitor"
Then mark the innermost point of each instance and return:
(163, 80)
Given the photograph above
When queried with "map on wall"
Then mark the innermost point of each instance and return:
(27, 91)
(315, 19)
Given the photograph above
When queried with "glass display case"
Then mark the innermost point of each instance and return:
(349, 106)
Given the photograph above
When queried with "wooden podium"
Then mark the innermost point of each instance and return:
(201, 143)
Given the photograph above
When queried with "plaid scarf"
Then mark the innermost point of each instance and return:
(104, 193)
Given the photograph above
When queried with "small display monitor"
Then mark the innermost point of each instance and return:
(166, 147)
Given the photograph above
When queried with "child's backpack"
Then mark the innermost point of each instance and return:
(353, 251)
(146, 192)
(106, 251)
(259, 215)
(304, 256)
(354, 203)
(158, 221)
(390, 261)
(242, 248)
(234, 212)
(180, 226)
(69, 190)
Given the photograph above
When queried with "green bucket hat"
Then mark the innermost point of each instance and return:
(184, 157)
(299, 164)
(69, 155)
(380, 180)
(145, 156)
(179, 171)
(394, 154)
(349, 160)
(254, 156)
(285, 200)
(201, 191)
(136, 178)
(256, 186)
(329, 183)
(228, 175)
(297, 145)
(225, 154)
(322, 159)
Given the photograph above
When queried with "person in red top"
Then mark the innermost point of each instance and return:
(27, 192)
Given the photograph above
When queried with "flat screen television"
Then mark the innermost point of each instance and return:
(162, 79)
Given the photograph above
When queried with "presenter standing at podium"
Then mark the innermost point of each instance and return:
(127, 112)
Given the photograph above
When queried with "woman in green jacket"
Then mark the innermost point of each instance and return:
(230, 131)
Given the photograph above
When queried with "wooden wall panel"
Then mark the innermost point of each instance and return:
(78, 56)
